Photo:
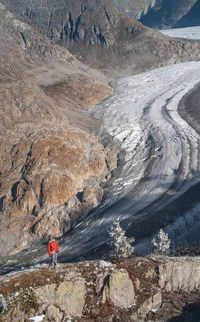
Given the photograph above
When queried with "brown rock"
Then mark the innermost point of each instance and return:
(49, 168)
(111, 158)
(45, 161)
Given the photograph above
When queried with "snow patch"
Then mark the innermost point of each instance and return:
(37, 318)
(103, 263)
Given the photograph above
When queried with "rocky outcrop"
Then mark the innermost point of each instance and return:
(68, 298)
(180, 275)
(119, 289)
(103, 37)
(153, 303)
(51, 181)
(51, 165)
(132, 290)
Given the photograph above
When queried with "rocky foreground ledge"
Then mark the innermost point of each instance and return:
(138, 289)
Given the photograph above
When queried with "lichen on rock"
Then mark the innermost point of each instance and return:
(119, 289)
(69, 295)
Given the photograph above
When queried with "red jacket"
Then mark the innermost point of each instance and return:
(53, 246)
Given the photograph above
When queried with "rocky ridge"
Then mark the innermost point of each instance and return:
(138, 289)
(51, 165)
(103, 37)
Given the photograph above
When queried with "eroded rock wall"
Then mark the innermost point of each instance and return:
(182, 274)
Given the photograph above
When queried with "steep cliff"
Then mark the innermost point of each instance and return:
(103, 37)
(140, 289)
(51, 166)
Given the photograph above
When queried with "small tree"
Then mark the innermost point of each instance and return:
(161, 243)
(120, 245)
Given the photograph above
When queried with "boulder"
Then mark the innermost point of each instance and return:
(152, 303)
(53, 314)
(119, 289)
(67, 297)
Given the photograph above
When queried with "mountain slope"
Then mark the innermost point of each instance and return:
(134, 8)
(47, 153)
(162, 13)
(103, 37)
(169, 14)
(191, 18)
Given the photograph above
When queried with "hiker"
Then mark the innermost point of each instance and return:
(53, 249)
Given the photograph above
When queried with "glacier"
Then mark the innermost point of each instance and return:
(158, 170)
(160, 164)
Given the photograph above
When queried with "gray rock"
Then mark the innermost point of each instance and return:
(53, 314)
(154, 302)
(119, 289)
(69, 296)
(180, 275)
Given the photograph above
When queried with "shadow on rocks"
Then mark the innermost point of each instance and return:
(190, 313)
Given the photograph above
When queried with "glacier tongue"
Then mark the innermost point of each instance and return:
(142, 115)
(161, 161)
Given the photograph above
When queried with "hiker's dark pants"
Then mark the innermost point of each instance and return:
(53, 261)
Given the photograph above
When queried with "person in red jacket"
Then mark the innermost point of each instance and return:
(53, 249)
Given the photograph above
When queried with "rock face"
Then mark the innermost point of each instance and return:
(51, 166)
(180, 275)
(151, 304)
(51, 180)
(103, 37)
(132, 290)
(69, 296)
